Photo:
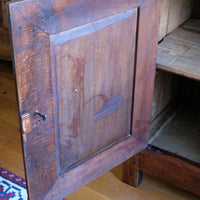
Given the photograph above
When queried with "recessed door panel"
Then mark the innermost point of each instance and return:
(94, 67)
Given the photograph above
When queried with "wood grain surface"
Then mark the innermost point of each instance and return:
(179, 53)
(107, 187)
(70, 59)
(179, 12)
(145, 70)
(34, 92)
(171, 169)
(173, 14)
(10, 139)
(90, 70)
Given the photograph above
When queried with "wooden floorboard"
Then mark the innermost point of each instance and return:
(10, 143)
(110, 187)
(107, 187)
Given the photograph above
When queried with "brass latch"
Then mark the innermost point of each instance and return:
(26, 124)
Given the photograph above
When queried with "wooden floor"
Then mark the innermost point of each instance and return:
(107, 187)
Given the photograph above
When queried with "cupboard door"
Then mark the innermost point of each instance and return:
(84, 75)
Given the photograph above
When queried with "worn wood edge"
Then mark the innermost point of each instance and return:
(130, 6)
(23, 136)
(186, 74)
(146, 44)
(94, 167)
(156, 149)
(16, 90)
(171, 169)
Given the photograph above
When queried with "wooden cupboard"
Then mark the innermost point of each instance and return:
(84, 75)
(173, 151)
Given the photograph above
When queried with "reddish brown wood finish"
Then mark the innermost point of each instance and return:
(131, 173)
(145, 70)
(94, 67)
(34, 86)
(171, 169)
(91, 169)
(60, 49)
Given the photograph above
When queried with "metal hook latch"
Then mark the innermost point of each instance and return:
(44, 117)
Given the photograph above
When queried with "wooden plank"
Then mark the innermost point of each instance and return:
(65, 13)
(5, 49)
(145, 68)
(12, 160)
(94, 80)
(10, 143)
(193, 25)
(106, 187)
(87, 194)
(181, 135)
(156, 96)
(180, 51)
(110, 185)
(10, 140)
(179, 12)
(7, 86)
(33, 80)
(8, 103)
(105, 161)
(163, 118)
(171, 169)
(164, 19)
(165, 91)
(5, 107)
(4, 17)
(173, 14)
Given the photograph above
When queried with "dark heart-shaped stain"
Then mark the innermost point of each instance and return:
(109, 107)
